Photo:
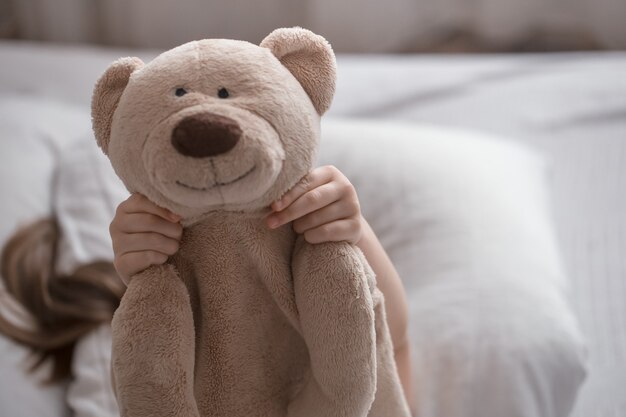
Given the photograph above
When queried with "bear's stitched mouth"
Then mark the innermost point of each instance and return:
(217, 184)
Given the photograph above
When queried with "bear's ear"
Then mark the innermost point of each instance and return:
(310, 58)
(106, 96)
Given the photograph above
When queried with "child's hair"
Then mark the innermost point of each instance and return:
(64, 307)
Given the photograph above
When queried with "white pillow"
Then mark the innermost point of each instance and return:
(466, 221)
(87, 192)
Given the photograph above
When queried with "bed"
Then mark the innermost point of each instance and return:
(567, 110)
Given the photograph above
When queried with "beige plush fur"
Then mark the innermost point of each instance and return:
(243, 320)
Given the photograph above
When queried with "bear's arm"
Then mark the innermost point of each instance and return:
(153, 347)
(335, 307)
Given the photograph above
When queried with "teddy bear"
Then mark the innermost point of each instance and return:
(243, 320)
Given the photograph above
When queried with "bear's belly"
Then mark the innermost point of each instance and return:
(250, 360)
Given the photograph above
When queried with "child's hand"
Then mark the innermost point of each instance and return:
(143, 234)
(323, 206)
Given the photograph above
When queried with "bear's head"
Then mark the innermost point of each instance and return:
(216, 124)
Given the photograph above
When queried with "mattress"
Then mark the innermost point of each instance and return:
(571, 107)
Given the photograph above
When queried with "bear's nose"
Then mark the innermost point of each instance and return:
(206, 134)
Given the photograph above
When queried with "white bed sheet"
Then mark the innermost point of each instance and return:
(571, 107)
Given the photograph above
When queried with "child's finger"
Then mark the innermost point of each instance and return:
(138, 203)
(131, 263)
(310, 201)
(312, 180)
(137, 242)
(337, 231)
(330, 213)
(146, 222)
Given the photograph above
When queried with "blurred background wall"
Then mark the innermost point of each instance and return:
(351, 25)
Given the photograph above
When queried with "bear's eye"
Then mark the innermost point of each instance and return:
(222, 93)
(180, 92)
